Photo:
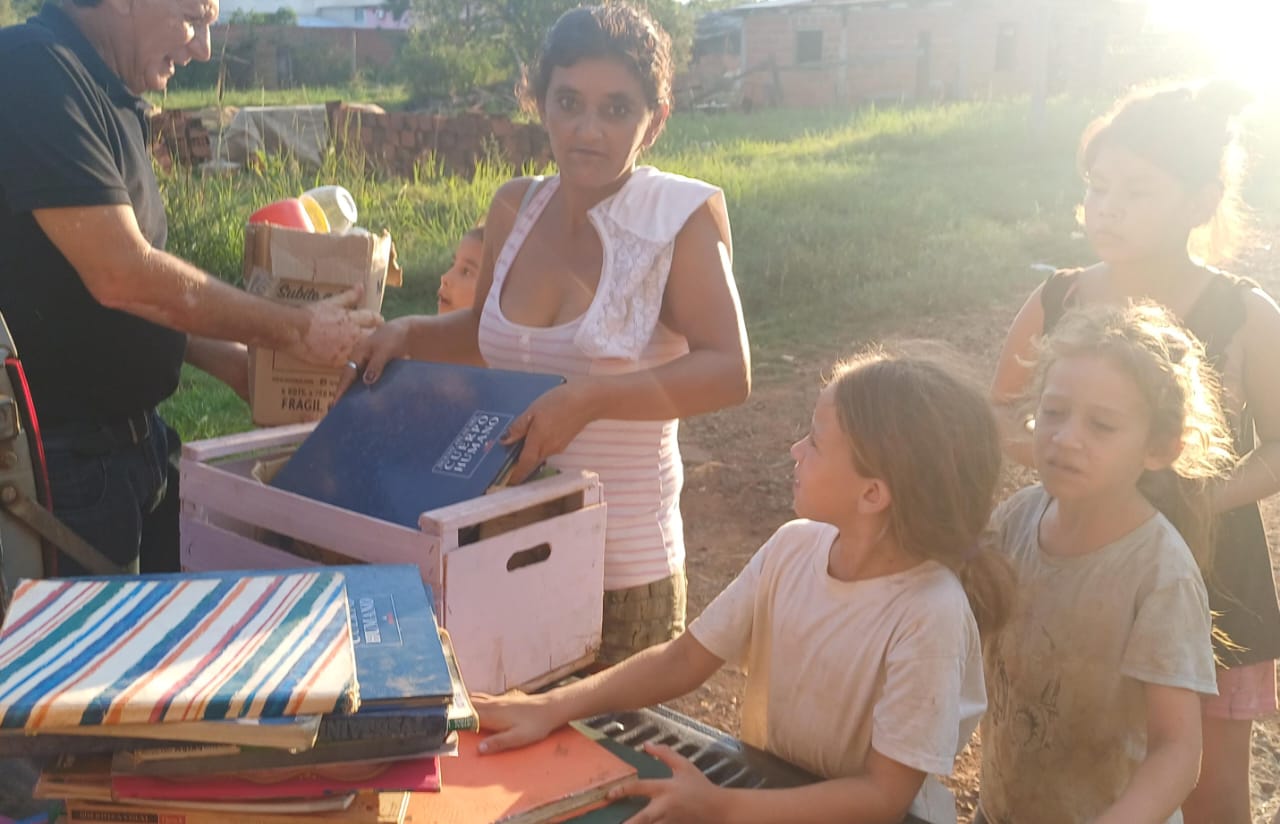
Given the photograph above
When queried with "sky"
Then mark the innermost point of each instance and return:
(1240, 35)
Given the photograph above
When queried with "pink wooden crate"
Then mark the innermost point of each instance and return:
(518, 574)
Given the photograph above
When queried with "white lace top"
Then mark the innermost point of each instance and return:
(638, 461)
(637, 226)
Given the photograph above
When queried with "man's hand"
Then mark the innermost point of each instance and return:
(335, 326)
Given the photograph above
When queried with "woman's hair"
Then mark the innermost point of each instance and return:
(933, 440)
(475, 233)
(1191, 132)
(614, 30)
(1167, 364)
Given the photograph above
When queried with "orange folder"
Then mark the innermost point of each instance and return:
(543, 782)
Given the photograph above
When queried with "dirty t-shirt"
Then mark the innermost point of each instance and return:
(836, 668)
(1066, 726)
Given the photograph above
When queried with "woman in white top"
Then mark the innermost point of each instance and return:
(619, 278)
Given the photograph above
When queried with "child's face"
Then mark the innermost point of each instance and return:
(458, 285)
(827, 484)
(1093, 430)
(1135, 210)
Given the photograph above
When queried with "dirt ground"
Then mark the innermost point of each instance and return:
(738, 490)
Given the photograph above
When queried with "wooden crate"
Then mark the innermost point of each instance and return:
(518, 574)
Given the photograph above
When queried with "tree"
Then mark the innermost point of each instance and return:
(697, 8)
(469, 39)
(282, 16)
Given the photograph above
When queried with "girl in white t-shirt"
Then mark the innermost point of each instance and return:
(858, 625)
(1095, 680)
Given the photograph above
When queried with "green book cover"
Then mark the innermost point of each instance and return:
(646, 765)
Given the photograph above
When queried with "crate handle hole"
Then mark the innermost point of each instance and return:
(529, 557)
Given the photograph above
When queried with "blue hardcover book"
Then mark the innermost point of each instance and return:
(424, 436)
(400, 660)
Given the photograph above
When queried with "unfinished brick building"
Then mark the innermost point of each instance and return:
(811, 53)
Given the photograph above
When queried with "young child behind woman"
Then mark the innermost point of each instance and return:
(458, 285)
(1094, 681)
(1151, 203)
(861, 648)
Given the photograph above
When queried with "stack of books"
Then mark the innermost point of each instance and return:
(311, 695)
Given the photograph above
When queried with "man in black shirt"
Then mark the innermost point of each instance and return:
(101, 315)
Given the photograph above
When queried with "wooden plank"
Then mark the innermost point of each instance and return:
(511, 499)
(291, 434)
(512, 627)
(535, 684)
(349, 533)
(207, 548)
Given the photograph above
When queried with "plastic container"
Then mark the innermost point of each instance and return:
(338, 205)
(289, 213)
(317, 215)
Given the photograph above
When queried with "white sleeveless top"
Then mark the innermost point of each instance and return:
(638, 461)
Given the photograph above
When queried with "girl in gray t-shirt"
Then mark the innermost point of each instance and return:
(1094, 712)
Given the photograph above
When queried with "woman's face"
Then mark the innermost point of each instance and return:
(1134, 210)
(599, 121)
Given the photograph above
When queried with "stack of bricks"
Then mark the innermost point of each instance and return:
(398, 143)
(179, 138)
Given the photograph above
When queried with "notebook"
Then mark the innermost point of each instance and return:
(565, 772)
(178, 647)
(360, 808)
(408, 775)
(424, 436)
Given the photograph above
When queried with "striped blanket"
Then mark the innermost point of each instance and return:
(149, 649)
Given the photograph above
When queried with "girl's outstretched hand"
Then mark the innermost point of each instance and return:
(687, 797)
(518, 719)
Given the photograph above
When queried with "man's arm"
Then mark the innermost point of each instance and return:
(225, 360)
(123, 271)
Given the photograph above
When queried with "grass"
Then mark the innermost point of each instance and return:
(838, 217)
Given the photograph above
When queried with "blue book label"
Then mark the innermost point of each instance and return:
(374, 622)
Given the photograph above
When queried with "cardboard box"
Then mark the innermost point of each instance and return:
(518, 574)
(303, 267)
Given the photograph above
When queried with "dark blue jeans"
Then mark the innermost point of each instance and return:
(111, 490)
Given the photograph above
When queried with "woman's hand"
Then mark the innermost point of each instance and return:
(687, 796)
(518, 719)
(550, 424)
(370, 355)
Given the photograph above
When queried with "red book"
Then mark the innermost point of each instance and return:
(418, 775)
(564, 773)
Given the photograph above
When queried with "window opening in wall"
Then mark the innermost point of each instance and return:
(808, 47)
(1007, 47)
